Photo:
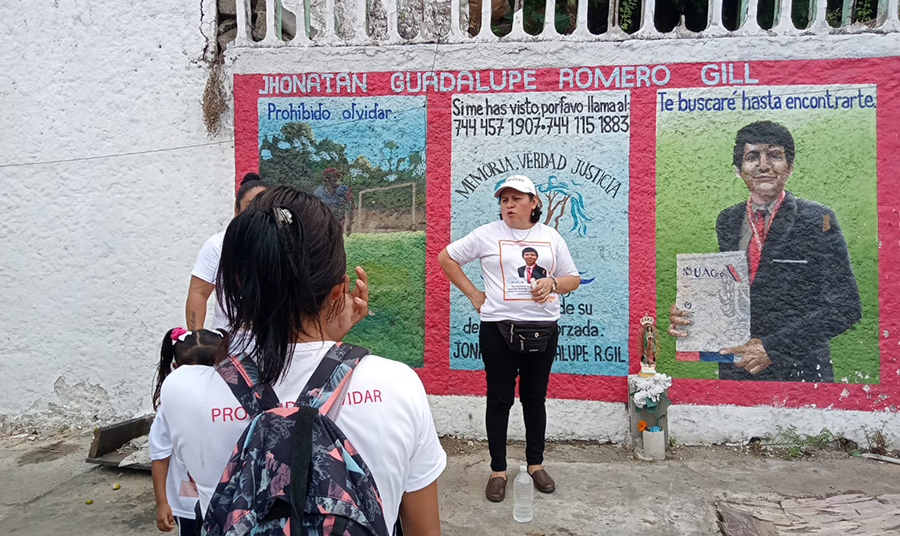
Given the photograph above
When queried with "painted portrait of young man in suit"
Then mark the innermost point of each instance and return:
(803, 291)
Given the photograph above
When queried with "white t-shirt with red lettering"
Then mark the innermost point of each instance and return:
(181, 493)
(507, 276)
(385, 415)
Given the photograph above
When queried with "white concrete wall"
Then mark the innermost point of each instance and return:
(96, 251)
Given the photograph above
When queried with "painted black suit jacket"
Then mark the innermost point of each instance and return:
(538, 272)
(803, 294)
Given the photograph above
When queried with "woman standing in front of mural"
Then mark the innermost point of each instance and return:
(524, 264)
(203, 276)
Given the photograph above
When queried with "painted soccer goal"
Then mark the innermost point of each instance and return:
(359, 205)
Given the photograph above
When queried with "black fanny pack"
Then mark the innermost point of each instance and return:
(527, 337)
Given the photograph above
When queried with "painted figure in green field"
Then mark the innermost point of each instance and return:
(802, 289)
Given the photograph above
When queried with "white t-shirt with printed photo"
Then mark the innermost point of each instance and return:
(181, 493)
(507, 276)
(385, 415)
(205, 267)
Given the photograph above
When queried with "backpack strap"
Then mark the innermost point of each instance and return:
(326, 388)
(242, 376)
(301, 458)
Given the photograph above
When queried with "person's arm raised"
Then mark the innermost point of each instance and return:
(456, 276)
(419, 513)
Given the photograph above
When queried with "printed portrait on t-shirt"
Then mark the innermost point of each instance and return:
(520, 267)
(531, 270)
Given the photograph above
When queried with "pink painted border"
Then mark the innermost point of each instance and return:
(440, 379)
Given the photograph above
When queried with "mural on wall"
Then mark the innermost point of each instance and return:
(575, 150)
(365, 159)
(758, 198)
(774, 177)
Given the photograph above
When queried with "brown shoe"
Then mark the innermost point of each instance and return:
(543, 482)
(496, 489)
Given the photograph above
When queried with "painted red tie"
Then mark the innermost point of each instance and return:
(754, 249)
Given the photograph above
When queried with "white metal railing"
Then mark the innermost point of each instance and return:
(317, 20)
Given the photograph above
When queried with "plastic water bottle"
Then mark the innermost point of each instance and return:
(523, 496)
(541, 304)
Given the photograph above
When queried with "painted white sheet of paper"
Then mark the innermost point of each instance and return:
(715, 288)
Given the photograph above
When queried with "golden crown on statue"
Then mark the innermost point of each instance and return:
(647, 321)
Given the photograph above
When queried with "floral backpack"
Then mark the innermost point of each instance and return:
(293, 472)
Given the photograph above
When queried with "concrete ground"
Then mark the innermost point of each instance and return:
(44, 483)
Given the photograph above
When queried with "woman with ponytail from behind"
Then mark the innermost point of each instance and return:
(174, 492)
(282, 280)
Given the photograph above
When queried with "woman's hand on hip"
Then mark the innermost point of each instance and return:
(541, 289)
(477, 299)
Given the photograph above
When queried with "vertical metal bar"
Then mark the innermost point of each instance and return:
(414, 207)
(647, 26)
(425, 32)
(750, 24)
(819, 10)
(270, 38)
(278, 33)
(715, 10)
(485, 33)
(892, 17)
(243, 21)
(361, 24)
(581, 25)
(612, 18)
(881, 17)
(785, 23)
(456, 33)
(517, 32)
(549, 30)
(328, 30)
(301, 37)
(812, 20)
(846, 10)
(390, 8)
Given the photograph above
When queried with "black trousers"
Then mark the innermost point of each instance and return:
(501, 367)
(187, 526)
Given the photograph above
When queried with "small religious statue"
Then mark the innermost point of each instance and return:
(648, 346)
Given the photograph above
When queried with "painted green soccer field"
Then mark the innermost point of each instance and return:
(395, 263)
(835, 164)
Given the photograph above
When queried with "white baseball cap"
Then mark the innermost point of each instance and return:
(516, 182)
